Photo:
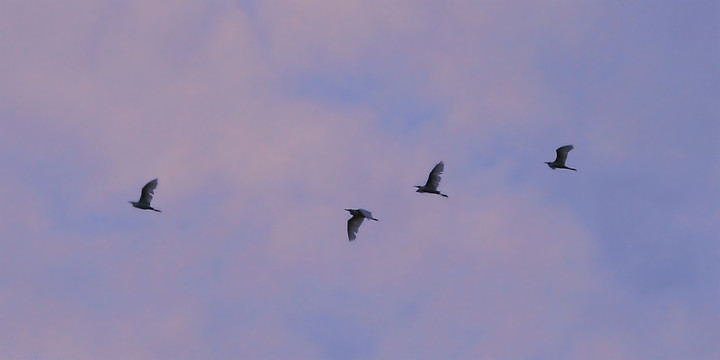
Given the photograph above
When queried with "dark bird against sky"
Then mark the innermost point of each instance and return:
(146, 196)
(433, 181)
(353, 224)
(559, 163)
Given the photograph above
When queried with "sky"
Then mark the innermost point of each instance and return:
(264, 120)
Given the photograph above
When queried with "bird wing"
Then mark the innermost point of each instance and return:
(562, 153)
(366, 213)
(353, 225)
(434, 177)
(147, 192)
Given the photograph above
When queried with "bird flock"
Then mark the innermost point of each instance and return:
(358, 215)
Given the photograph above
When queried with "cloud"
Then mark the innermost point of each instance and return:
(264, 122)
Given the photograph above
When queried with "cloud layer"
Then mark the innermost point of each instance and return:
(263, 120)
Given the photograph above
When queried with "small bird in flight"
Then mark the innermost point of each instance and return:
(358, 215)
(559, 163)
(433, 181)
(146, 196)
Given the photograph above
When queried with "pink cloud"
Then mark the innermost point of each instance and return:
(254, 180)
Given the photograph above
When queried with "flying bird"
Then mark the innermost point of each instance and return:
(433, 181)
(146, 196)
(358, 215)
(559, 163)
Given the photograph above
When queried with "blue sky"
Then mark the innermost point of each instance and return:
(264, 120)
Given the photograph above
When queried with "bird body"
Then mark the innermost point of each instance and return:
(353, 224)
(146, 196)
(433, 181)
(560, 158)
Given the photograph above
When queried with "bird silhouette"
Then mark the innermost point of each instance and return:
(559, 163)
(146, 196)
(358, 215)
(433, 181)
